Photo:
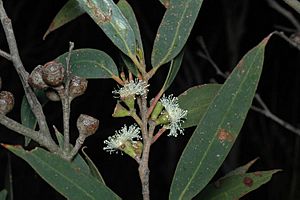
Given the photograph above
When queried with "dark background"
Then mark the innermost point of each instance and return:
(229, 28)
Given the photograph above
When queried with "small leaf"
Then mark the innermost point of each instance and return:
(219, 127)
(3, 194)
(196, 101)
(110, 19)
(174, 30)
(240, 170)
(94, 171)
(129, 65)
(236, 186)
(173, 70)
(27, 117)
(70, 11)
(90, 63)
(63, 176)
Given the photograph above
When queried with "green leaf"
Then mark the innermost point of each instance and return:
(70, 11)
(90, 63)
(173, 70)
(236, 186)
(93, 169)
(3, 194)
(128, 13)
(219, 127)
(63, 176)
(27, 117)
(196, 101)
(110, 19)
(129, 65)
(174, 30)
(240, 170)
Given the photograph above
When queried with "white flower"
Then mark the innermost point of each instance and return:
(137, 87)
(116, 141)
(175, 114)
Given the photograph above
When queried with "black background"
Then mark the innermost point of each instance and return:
(229, 28)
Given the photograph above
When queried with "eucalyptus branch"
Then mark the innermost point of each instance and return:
(144, 171)
(285, 13)
(295, 4)
(5, 55)
(34, 135)
(66, 102)
(23, 74)
(265, 111)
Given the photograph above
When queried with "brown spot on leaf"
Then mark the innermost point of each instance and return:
(224, 135)
(248, 181)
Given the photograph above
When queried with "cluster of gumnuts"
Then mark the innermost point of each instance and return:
(51, 78)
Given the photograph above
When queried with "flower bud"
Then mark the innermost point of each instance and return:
(53, 73)
(35, 79)
(157, 110)
(77, 86)
(87, 125)
(120, 111)
(6, 102)
(52, 95)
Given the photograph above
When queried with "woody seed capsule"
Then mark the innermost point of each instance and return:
(87, 125)
(77, 86)
(7, 102)
(53, 73)
(35, 79)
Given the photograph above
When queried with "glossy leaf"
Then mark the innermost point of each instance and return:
(65, 177)
(110, 19)
(70, 11)
(128, 13)
(27, 117)
(174, 30)
(90, 63)
(219, 127)
(93, 169)
(173, 70)
(3, 194)
(196, 101)
(236, 186)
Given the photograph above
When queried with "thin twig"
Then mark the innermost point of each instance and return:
(66, 101)
(79, 142)
(206, 55)
(5, 55)
(283, 36)
(158, 134)
(34, 135)
(265, 110)
(144, 171)
(285, 13)
(23, 74)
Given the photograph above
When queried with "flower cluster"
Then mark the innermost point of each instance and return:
(137, 87)
(117, 141)
(175, 115)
